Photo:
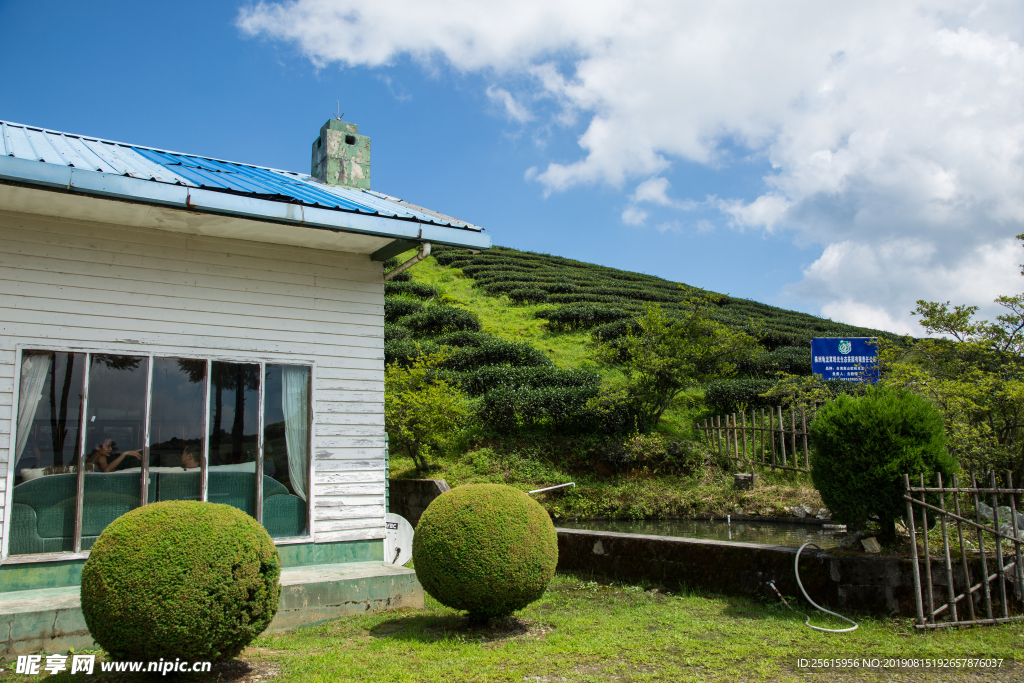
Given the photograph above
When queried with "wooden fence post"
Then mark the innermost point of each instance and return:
(792, 435)
(782, 436)
(803, 422)
(744, 414)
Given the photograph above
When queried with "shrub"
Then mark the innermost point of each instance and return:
(441, 318)
(421, 411)
(616, 330)
(395, 332)
(560, 287)
(528, 295)
(862, 447)
(414, 289)
(180, 578)
(580, 316)
(795, 360)
(465, 338)
(405, 351)
(488, 549)
(496, 351)
(399, 307)
(558, 409)
(481, 380)
(733, 395)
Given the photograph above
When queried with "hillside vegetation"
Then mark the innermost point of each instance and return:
(519, 335)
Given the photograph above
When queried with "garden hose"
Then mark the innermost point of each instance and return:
(807, 618)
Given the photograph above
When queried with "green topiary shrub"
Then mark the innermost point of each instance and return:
(862, 447)
(488, 549)
(183, 579)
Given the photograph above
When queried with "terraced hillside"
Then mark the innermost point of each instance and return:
(523, 327)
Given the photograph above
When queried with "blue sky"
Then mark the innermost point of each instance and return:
(527, 132)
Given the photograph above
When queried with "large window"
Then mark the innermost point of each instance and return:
(100, 434)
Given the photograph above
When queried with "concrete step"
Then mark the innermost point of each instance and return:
(50, 619)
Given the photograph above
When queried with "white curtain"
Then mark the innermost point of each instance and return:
(33, 376)
(295, 403)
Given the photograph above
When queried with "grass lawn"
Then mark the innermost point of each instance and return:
(585, 631)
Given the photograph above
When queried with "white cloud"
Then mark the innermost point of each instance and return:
(766, 211)
(633, 215)
(513, 109)
(895, 130)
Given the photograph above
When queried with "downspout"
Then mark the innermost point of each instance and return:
(402, 267)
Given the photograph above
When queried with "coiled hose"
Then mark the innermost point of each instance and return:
(807, 618)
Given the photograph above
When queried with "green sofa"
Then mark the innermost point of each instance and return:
(43, 512)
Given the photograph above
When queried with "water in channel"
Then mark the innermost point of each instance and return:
(768, 533)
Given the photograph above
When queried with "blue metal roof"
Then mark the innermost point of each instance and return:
(145, 163)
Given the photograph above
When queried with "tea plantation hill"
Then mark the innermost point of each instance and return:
(581, 303)
(522, 329)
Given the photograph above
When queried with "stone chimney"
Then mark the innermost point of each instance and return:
(341, 156)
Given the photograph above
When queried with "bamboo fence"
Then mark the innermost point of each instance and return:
(765, 440)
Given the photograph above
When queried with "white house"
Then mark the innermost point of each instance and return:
(179, 327)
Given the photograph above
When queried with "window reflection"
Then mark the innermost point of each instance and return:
(45, 482)
(233, 434)
(176, 428)
(57, 389)
(285, 449)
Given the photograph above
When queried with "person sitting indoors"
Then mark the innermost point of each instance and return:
(189, 458)
(101, 455)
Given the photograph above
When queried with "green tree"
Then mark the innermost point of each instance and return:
(669, 355)
(862, 447)
(421, 411)
(973, 373)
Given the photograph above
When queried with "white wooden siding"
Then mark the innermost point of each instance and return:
(96, 286)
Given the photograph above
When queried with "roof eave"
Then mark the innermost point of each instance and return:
(126, 188)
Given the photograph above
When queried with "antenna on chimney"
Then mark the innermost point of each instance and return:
(339, 115)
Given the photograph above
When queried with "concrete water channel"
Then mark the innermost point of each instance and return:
(763, 532)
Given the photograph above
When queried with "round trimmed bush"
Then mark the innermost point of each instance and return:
(488, 549)
(861, 448)
(183, 579)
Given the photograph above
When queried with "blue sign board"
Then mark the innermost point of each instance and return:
(854, 359)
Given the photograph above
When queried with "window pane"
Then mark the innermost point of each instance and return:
(176, 429)
(234, 427)
(115, 430)
(47, 434)
(285, 450)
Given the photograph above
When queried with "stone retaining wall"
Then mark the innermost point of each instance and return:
(410, 497)
(878, 585)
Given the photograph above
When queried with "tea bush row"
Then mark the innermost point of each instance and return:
(554, 409)
(492, 351)
(410, 288)
(439, 319)
(481, 380)
(581, 316)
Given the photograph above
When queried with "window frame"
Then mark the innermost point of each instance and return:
(228, 357)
